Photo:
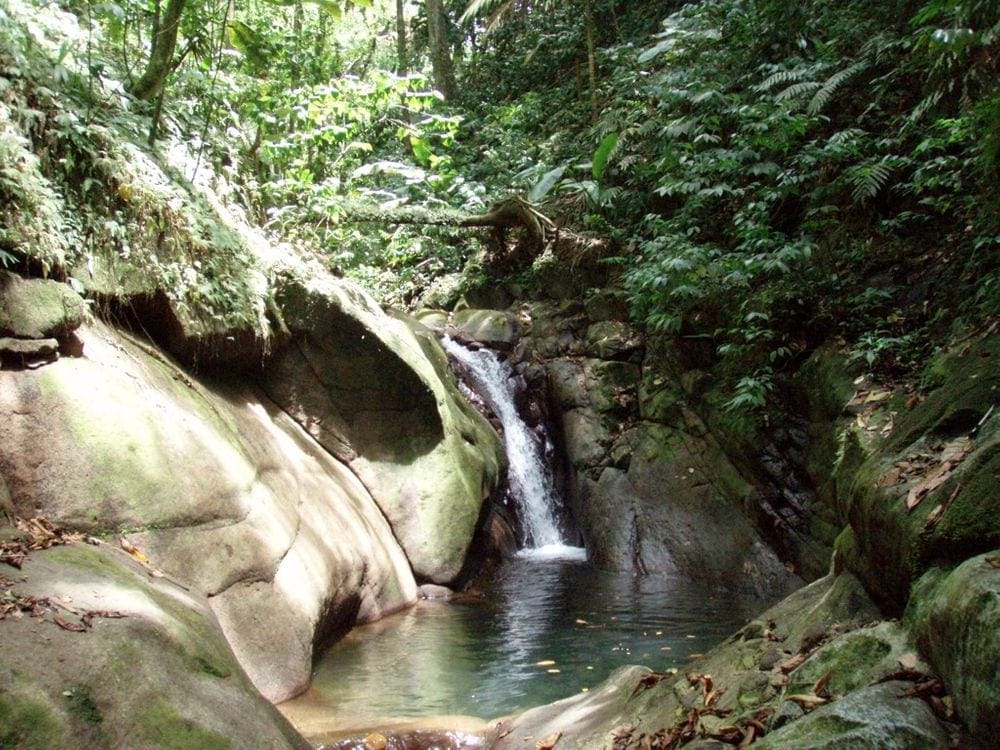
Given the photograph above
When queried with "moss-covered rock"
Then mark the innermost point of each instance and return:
(892, 544)
(133, 677)
(494, 328)
(38, 308)
(376, 392)
(220, 489)
(880, 716)
(955, 618)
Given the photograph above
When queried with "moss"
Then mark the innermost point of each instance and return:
(28, 725)
(849, 660)
(162, 727)
(967, 380)
(971, 523)
(953, 616)
(81, 705)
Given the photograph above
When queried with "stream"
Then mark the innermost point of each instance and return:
(547, 626)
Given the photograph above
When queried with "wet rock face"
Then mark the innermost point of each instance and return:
(651, 489)
(376, 392)
(222, 491)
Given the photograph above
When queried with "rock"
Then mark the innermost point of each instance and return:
(677, 509)
(567, 383)
(19, 352)
(853, 660)
(433, 591)
(787, 712)
(376, 392)
(954, 617)
(612, 339)
(584, 720)
(587, 439)
(494, 328)
(154, 671)
(38, 308)
(436, 320)
(877, 716)
(892, 545)
(613, 387)
(606, 304)
(221, 490)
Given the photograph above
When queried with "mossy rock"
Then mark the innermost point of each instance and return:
(879, 716)
(955, 618)
(958, 518)
(494, 328)
(854, 660)
(38, 308)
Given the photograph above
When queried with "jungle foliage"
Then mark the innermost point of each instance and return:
(769, 175)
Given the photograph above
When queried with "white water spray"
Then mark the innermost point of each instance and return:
(530, 482)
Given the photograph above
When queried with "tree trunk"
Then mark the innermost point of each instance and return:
(161, 51)
(591, 57)
(437, 32)
(401, 65)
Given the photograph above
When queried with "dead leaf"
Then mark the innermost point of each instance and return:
(133, 551)
(808, 701)
(909, 661)
(794, 663)
(647, 682)
(952, 455)
(992, 561)
(891, 477)
(76, 627)
(548, 742)
(819, 688)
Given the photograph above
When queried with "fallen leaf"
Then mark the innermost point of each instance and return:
(807, 700)
(908, 661)
(76, 627)
(548, 742)
(819, 688)
(794, 663)
(133, 551)
(952, 455)
(545, 663)
(992, 561)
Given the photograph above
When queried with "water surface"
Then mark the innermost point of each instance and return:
(544, 630)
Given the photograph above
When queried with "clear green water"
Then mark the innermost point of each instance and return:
(489, 657)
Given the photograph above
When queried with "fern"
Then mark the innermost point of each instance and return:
(797, 90)
(778, 78)
(830, 86)
(870, 177)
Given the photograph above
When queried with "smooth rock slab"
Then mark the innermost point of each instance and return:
(221, 490)
(159, 676)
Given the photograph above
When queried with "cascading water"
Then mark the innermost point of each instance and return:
(530, 482)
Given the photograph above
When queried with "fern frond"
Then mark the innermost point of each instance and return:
(796, 90)
(870, 177)
(778, 78)
(830, 86)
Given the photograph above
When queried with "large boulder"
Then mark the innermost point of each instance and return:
(677, 507)
(38, 308)
(881, 716)
(221, 490)
(496, 329)
(110, 657)
(376, 392)
(955, 617)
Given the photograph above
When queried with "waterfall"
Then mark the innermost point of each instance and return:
(530, 481)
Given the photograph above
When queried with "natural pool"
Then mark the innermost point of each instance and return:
(545, 629)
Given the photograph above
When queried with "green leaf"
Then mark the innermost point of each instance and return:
(544, 185)
(600, 161)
